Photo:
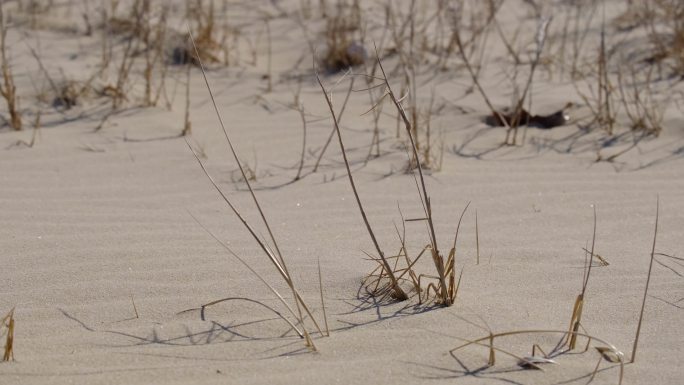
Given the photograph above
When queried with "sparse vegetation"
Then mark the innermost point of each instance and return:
(8, 89)
(470, 76)
(446, 288)
(343, 47)
(274, 256)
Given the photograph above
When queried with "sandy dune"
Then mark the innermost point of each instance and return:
(91, 220)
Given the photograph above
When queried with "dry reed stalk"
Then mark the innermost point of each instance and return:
(476, 82)
(643, 110)
(602, 102)
(320, 286)
(259, 276)
(269, 71)
(7, 328)
(58, 93)
(648, 281)
(446, 288)
(106, 44)
(477, 239)
(302, 115)
(135, 308)
(397, 292)
(576, 318)
(425, 198)
(580, 35)
(187, 125)
(339, 119)
(154, 39)
(118, 92)
(275, 257)
(376, 110)
(161, 30)
(540, 39)
(146, 33)
(8, 89)
(606, 120)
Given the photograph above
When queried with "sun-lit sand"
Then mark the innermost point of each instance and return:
(95, 223)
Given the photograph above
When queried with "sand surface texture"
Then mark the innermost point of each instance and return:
(100, 254)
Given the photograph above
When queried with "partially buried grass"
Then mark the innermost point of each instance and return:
(576, 318)
(606, 350)
(273, 255)
(648, 281)
(7, 329)
(445, 287)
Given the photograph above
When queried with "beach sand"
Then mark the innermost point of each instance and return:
(95, 223)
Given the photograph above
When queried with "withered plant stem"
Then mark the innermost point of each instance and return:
(477, 84)
(277, 260)
(517, 112)
(439, 264)
(269, 71)
(8, 89)
(488, 342)
(135, 308)
(7, 322)
(576, 319)
(187, 125)
(477, 239)
(262, 279)
(648, 281)
(339, 119)
(398, 292)
(591, 256)
(320, 286)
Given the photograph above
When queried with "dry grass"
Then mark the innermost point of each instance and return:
(576, 318)
(604, 103)
(665, 24)
(206, 44)
(644, 109)
(394, 288)
(8, 89)
(7, 331)
(387, 278)
(396, 275)
(648, 281)
(606, 351)
(274, 256)
(343, 47)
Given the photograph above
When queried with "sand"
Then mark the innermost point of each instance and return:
(94, 221)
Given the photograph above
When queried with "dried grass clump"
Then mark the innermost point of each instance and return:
(569, 338)
(643, 108)
(602, 99)
(606, 351)
(7, 329)
(269, 245)
(343, 48)
(386, 280)
(71, 93)
(207, 47)
(144, 32)
(666, 30)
